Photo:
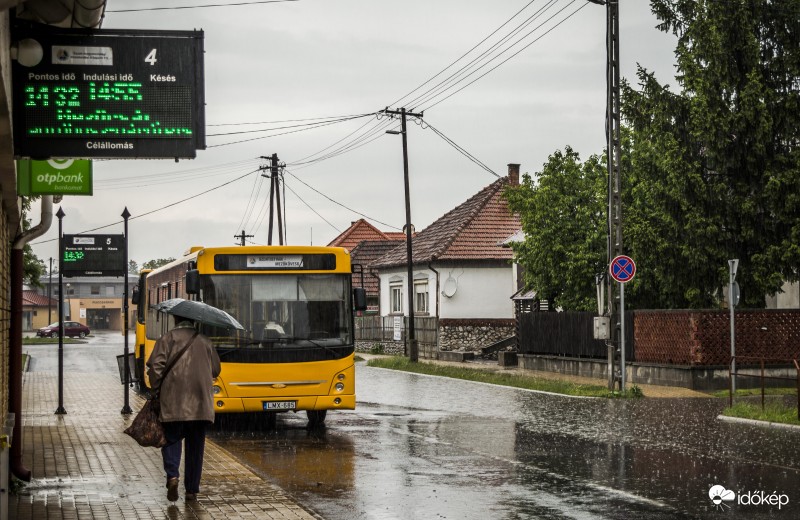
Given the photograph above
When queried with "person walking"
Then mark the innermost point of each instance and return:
(187, 406)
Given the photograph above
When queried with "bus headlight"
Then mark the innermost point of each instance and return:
(340, 377)
(216, 389)
(339, 387)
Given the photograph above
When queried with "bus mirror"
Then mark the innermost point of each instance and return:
(192, 281)
(135, 295)
(360, 299)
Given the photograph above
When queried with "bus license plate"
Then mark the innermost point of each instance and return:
(279, 405)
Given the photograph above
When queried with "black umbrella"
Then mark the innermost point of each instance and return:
(199, 312)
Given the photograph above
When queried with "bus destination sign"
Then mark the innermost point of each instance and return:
(93, 255)
(107, 93)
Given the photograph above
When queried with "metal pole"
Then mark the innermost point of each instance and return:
(733, 264)
(622, 335)
(413, 352)
(50, 295)
(273, 174)
(60, 410)
(126, 409)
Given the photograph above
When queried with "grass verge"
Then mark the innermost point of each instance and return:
(746, 392)
(496, 378)
(42, 341)
(772, 412)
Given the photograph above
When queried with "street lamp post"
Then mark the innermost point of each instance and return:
(413, 350)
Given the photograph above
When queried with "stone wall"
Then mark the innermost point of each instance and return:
(471, 335)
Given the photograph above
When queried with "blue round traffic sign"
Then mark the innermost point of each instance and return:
(622, 269)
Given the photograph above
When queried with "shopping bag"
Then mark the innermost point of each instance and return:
(146, 428)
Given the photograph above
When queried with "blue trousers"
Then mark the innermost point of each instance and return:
(194, 434)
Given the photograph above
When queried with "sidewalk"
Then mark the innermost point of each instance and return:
(84, 467)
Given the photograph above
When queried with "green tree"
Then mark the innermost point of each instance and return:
(133, 267)
(563, 217)
(155, 264)
(715, 169)
(32, 267)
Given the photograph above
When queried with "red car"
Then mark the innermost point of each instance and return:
(71, 329)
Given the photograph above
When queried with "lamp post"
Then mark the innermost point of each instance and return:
(413, 351)
(50, 295)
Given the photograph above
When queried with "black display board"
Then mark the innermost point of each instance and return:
(93, 255)
(107, 93)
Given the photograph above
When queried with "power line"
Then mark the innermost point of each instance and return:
(157, 209)
(460, 57)
(235, 4)
(339, 203)
(430, 97)
(311, 208)
(460, 150)
(320, 125)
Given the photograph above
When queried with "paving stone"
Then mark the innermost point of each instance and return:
(84, 467)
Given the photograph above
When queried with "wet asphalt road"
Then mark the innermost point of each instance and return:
(425, 447)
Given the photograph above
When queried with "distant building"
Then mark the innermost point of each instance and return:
(93, 301)
(37, 310)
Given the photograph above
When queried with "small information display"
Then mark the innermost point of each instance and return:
(93, 255)
(107, 93)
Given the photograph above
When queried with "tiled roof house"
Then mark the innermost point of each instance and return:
(361, 230)
(37, 310)
(462, 273)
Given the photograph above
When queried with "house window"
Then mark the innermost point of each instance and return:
(95, 289)
(396, 291)
(420, 296)
(109, 290)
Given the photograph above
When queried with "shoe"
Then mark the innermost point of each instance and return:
(172, 489)
(190, 497)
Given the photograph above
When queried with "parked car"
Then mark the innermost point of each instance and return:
(71, 329)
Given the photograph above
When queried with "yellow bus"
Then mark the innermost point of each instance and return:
(296, 304)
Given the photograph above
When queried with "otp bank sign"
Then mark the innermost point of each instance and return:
(723, 498)
(54, 177)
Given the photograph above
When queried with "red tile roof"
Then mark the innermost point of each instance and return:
(36, 299)
(361, 230)
(475, 230)
(366, 253)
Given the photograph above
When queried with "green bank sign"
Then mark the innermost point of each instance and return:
(54, 177)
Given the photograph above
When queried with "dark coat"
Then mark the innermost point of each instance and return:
(186, 393)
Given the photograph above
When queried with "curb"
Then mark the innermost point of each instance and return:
(754, 422)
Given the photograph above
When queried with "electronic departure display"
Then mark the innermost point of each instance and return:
(107, 93)
(93, 255)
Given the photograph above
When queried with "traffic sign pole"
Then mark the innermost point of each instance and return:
(622, 335)
(622, 269)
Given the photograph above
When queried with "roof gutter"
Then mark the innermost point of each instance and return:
(15, 334)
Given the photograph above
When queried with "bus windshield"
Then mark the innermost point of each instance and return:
(310, 313)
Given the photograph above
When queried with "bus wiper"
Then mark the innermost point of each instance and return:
(328, 349)
(221, 351)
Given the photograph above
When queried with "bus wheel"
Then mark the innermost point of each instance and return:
(316, 418)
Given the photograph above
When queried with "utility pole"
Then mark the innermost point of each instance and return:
(613, 145)
(413, 350)
(242, 236)
(274, 198)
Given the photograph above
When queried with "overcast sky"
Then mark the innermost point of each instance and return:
(275, 62)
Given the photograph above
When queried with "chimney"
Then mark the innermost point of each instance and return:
(513, 174)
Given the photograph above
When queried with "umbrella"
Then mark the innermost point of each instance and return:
(200, 312)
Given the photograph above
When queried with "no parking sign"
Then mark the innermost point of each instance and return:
(622, 269)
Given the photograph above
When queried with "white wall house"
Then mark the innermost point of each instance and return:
(462, 273)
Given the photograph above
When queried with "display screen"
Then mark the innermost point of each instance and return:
(93, 255)
(107, 93)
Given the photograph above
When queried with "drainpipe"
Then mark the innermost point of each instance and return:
(430, 266)
(15, 334)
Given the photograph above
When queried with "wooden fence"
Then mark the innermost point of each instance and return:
(381, 328)
(569, 334)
